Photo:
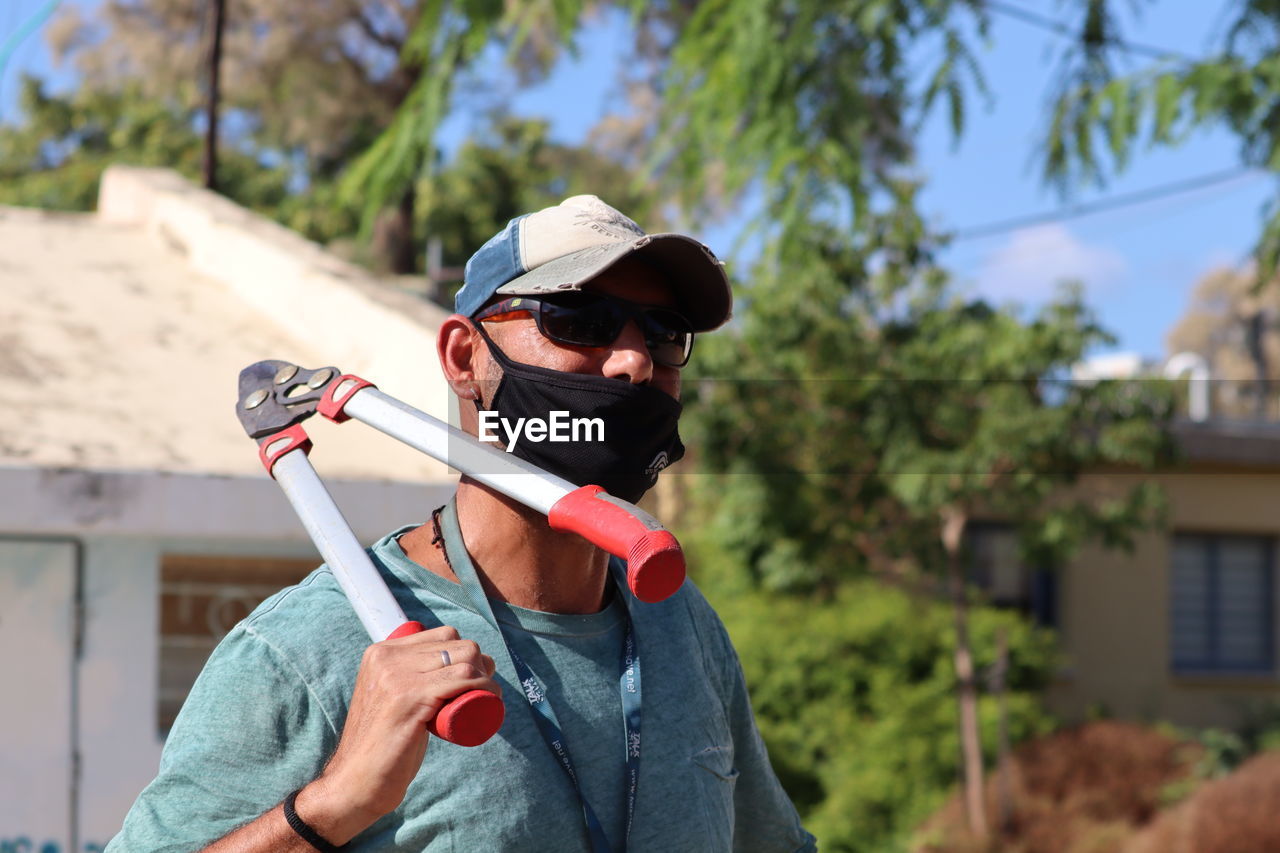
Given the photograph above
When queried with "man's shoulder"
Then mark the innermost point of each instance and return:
(315, 604)
(687, 604)
(688, 617)
(305, 627)
(313, 620)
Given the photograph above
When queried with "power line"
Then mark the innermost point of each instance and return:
(1125, 200)
(1059, 28)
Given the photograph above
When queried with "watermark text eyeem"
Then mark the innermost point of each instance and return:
(558, 427)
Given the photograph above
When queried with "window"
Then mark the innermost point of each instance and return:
(1221, 604)
(201, 599)
(994, 567)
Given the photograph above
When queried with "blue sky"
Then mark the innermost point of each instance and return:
(1138, 263)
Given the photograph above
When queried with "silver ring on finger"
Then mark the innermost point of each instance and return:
(444, 656)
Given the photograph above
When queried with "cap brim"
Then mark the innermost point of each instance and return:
(699, 283)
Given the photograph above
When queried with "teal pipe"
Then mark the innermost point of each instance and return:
(23, 32)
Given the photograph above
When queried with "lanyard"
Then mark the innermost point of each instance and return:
(536, 695)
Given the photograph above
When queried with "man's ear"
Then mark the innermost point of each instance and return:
(456, 346)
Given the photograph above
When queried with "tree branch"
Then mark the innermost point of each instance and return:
(367, 27)
(353, 63)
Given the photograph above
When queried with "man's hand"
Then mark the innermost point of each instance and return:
(401, 686)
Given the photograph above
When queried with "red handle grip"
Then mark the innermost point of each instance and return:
(468, 719)
(655, 561)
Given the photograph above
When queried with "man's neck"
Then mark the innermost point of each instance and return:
(519, 559)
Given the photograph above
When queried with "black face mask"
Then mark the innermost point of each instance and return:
(638, 425)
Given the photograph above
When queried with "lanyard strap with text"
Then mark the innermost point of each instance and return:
(536, 695)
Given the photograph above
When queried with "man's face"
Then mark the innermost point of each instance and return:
(627, 358)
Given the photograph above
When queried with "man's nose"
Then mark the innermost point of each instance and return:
(629, 357)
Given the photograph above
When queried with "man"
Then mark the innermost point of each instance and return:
(572, 309)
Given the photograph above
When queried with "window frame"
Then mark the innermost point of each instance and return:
(1213, 663)
(200, 597)
(1043, 603)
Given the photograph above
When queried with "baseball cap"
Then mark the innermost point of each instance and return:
(562, 248)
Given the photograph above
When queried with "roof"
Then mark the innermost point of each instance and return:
(122, 334)
(1249, 443)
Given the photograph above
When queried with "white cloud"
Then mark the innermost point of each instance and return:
(1031, 265)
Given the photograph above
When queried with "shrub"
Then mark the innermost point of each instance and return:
(1234, 814)
(854, 697)
(1082, 790)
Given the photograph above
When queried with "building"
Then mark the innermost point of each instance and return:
(1184, 628)
(136, 524)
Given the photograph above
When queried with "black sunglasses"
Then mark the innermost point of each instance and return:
(595, 320)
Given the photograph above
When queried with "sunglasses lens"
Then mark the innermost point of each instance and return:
(591, 320)
(582, 319)
(668, 336)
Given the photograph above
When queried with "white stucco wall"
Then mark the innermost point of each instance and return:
(118, 680)
(37, 583)
(71, 502)
(352, 318)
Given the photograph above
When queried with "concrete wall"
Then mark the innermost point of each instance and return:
(1114, 610)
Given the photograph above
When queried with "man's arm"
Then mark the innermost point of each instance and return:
(765, 819)
(330, 816)
(273, 832)
(254, 728)
(402, 684)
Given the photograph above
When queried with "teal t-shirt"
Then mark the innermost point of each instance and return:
(267, 711)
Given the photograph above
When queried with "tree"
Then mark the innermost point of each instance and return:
(510, 169)
(944, 406)
(813, 102)
(445, 44)
(313, 82)
(1233, 325)
(1102, 116)
(56, 156)
(879, 430)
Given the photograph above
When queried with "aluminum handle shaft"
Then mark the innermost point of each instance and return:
(377, 608)
(510, 475)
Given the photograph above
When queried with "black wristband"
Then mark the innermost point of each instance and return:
(299, 826)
